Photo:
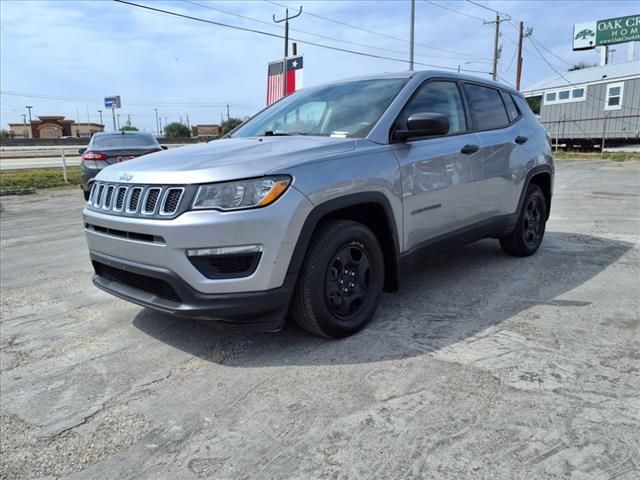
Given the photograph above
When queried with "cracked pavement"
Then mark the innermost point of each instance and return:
(481, 366)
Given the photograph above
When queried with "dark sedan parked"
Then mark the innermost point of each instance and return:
(107, 148)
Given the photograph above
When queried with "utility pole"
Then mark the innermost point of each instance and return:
(523, 34)
(188, 123)
(100, 112)
(24, 123)
(157, 121)
(113, 114)
(229, 116)
(496, 50)
(118, 121)
(286, 44)
(411, 33)
(29, 107)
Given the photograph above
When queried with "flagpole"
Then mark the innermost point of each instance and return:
(286, 74)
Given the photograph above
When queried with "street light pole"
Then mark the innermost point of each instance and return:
(411, 33)
(157, 121)
(100, 112)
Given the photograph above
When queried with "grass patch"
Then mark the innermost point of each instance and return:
(615, 156)
(20, 180)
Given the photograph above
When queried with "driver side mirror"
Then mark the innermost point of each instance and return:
(424, 125)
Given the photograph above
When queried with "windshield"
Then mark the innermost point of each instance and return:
(124, 141)
(341, 110)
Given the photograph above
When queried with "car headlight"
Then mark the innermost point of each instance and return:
(240, 194)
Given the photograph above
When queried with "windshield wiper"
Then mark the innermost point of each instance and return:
(277, 133)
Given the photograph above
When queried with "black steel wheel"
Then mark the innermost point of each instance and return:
(526, 237)
(341, 281)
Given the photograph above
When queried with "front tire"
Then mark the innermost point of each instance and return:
(529, 231)
(341, 280)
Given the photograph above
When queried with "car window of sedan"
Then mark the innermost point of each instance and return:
(437, 97)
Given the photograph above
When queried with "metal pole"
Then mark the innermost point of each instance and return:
(157, 121)
(286, 43)
(228, 116)
(494, 73)
(64, 167)
(100, 112)
(24, 124)
(29, 107)
(411, 33)
(604, 132)
(118, 121)
(113, 113)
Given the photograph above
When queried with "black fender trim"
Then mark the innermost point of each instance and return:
(322, 210)
(545, 168)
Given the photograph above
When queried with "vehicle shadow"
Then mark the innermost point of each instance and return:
(443, 300)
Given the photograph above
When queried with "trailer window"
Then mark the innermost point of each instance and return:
(563, 95)
(550, 97)
(614, 96)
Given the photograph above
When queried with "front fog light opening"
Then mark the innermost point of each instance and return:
(226, 262)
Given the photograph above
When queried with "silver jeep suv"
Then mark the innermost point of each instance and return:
(311, 207)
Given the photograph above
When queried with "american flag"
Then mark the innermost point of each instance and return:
(275, 78)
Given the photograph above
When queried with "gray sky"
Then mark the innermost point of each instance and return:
(68, 55)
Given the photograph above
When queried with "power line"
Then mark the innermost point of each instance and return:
(487, 8)
(453, 10)
(133, 103)
(373, 32)
(326, 37)
(534, 42)
(561, 59)
(274, 35)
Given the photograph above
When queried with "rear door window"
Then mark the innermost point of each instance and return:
(487, 108)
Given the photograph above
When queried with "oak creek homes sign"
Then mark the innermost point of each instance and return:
(606, 32)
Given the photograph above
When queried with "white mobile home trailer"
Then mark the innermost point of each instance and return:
(592, 106)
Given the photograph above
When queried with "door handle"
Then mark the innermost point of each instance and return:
(469, 149)
(520, 140)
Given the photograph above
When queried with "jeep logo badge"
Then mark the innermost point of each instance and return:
(125, 177)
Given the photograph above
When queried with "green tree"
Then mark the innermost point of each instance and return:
(176, 130)
(127, 127)
(534, 104)
(230, 124)
(4, 134)
(581, 65)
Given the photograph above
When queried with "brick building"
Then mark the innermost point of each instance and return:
(53, 126)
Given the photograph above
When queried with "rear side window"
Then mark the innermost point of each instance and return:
(438, 97)
(487, 107)
(512, 110)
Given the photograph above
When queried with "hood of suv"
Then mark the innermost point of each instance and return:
(223, 160)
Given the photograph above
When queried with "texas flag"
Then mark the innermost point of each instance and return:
(276, 78)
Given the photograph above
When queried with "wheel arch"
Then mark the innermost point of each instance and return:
(369, 208)
(542, 175)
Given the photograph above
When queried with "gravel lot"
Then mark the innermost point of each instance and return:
(482, 366)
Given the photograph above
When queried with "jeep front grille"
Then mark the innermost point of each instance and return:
(136, 200)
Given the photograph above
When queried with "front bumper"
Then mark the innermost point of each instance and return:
(263, 311)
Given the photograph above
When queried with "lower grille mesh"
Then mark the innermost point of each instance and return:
(151, 285)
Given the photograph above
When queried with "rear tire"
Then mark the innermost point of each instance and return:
(529, 231)
(341, 281)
